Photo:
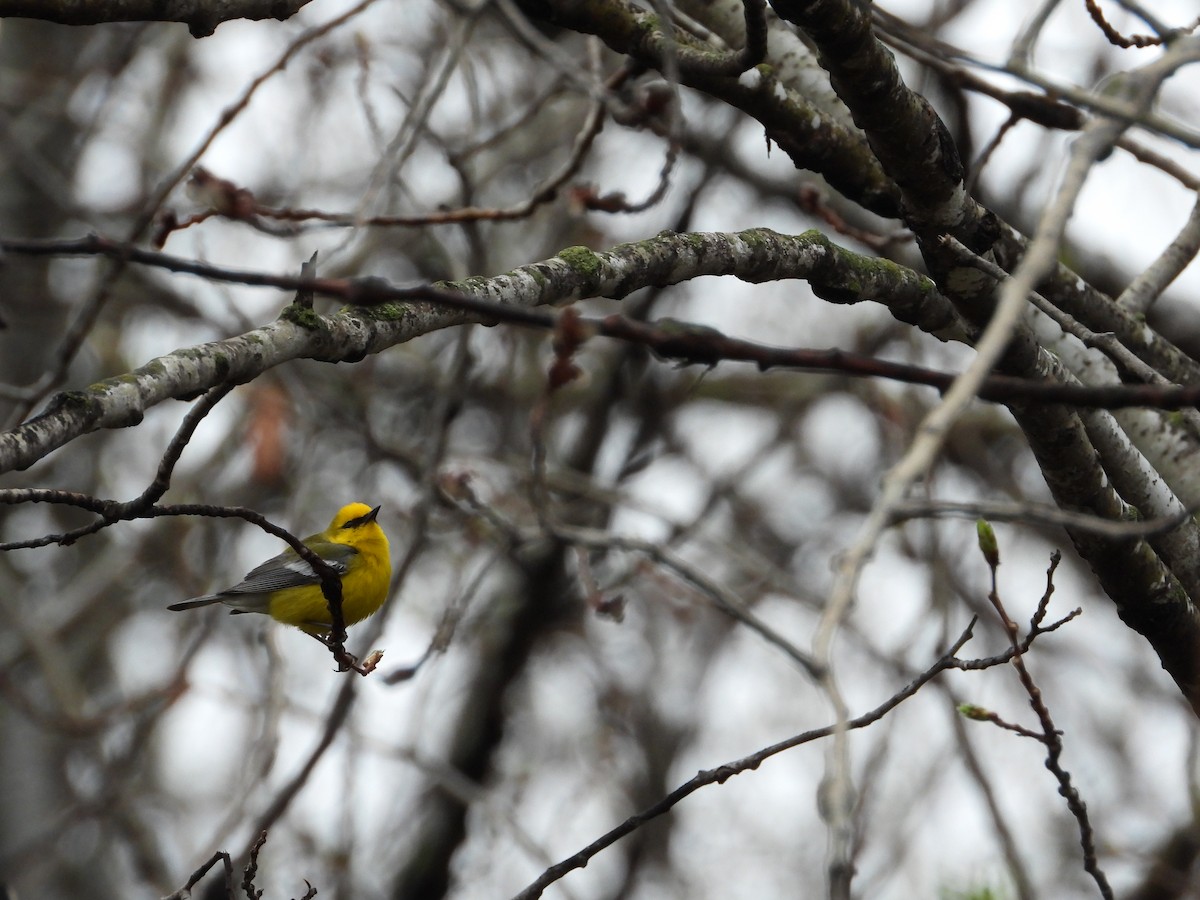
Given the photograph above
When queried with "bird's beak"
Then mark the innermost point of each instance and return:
(370, 517)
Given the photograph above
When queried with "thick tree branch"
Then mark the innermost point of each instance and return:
(1149, 598)
(390, 315)
(810, 136)
(201, 16)
(756, 256)
(905, 133)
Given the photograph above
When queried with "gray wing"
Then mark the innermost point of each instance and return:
(288, 570)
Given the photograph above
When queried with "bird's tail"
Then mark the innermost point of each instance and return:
(206, 600)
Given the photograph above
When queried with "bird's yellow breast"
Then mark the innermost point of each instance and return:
(364, 587)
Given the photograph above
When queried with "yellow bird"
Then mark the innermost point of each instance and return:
(286, 588)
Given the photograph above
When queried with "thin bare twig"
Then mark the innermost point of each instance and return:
(1050, 735)
(723, 773)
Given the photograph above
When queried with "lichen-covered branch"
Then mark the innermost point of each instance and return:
(201, 16)
(757, 255)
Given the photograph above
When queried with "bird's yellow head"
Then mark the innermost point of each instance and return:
(352, 517)
(355, 526)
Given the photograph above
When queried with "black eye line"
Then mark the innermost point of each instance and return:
(357, 523)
